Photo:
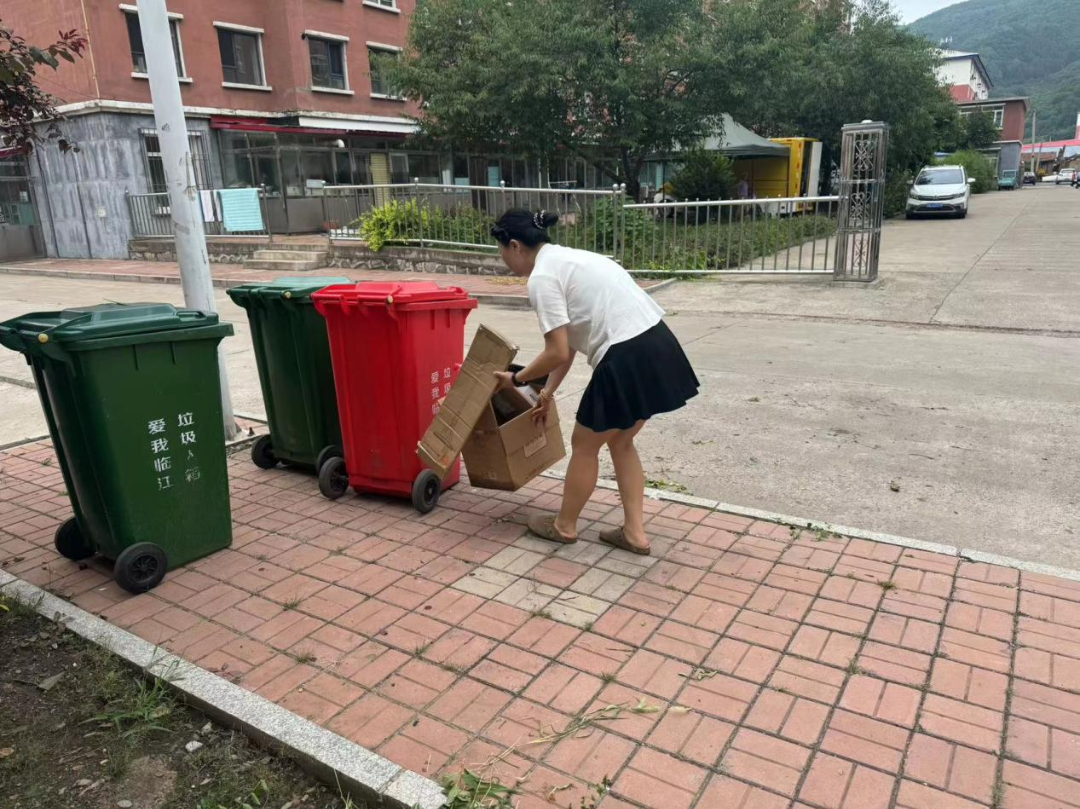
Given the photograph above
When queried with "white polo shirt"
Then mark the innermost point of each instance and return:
(594, 296)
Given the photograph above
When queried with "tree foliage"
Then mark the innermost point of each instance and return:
(21, 100)
(843, 64)
(617, 80)
(623, 80)
(977, 167)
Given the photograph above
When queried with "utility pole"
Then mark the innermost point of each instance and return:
(186, 212)
(1034, 154)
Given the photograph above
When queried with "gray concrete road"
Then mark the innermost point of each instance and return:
(957, 379)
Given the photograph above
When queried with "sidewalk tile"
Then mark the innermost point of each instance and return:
(656, 779)
(908, 633)
(882, 700)
(1029, 788)
(832, 648)
(962, 722)
(1049, 608)
(970, 684)
(655, 674)
(790, 717)
(975, 650)
(892, 663)
(691, 735)
(469, 705)
(833, 783)
(371, 720)
(727, 792)
(743, 660)
(807, 679)
(765, 761)
(1050, 706)
(923, 582)
(725, 589)
(563, 688)
(951, 767)
(865, 740)
(920, 796)
(781, 603)
(627, 625)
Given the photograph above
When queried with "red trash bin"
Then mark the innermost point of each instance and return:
(396, 349)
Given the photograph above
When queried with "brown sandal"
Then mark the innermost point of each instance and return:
(543, 525)
(617, 539)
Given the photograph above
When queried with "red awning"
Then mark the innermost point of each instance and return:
(263, 125)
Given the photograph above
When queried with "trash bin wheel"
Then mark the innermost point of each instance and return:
(425, 491)
(333, 478)
(70, 542)
(262, 453)
(325, 454)
(140, 567)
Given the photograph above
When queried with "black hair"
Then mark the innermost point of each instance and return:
(527, 227)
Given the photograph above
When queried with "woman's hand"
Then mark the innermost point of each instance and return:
(541, 409)
(505, 380)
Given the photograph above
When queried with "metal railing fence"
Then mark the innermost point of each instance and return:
(151, 215)
(783, 235)
(461, 216)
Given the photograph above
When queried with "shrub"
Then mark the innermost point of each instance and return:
(397, 221)
(976, 166)
(897, 186)
(704, 175)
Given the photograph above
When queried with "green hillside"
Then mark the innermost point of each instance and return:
(1030, 47)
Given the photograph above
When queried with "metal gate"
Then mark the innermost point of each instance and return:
(20, 234)
(862, 200)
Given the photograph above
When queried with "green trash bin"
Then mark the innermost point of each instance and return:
(292, 352)
(132, 397)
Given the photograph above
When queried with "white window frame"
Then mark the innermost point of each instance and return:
(390, 7)
(174, 16)
(385, 48)
(259, 34)
(344, 42)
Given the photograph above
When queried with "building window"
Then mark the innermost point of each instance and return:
(999, 117)
(327, 63)
(377, 58)
(241, 57)
(138, 52)
(383, 3)
(155, 167)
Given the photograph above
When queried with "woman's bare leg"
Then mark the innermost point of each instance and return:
(581, 476)
(631, 479)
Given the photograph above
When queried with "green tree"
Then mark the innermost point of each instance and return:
(848, 62)
(704, 175)
(612, 81)
(979, 130)
(21, 100)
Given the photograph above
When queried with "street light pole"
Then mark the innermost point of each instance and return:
(186, 212)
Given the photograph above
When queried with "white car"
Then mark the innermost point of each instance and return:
(940, 190)
(1065, 176)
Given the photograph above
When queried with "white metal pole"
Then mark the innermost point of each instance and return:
(187, 217)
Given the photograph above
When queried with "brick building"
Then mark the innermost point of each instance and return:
(287, 94)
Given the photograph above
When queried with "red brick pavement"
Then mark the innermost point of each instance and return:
(236, 274)
(772, 668)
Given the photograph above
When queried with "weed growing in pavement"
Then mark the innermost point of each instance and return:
(421, 649)
(666, 485)
(541, 612)
(291, 604)
(887, 585)
(304, 657)
(481, 789)
(590, 801)
(854, 668)
(607, 677)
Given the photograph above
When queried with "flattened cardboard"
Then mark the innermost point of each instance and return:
(467, 400)
(505, 456)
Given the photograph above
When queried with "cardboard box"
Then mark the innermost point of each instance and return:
(494, 432)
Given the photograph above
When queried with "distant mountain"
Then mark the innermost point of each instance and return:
(1030, 47)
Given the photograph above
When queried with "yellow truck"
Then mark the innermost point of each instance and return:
(797, 175)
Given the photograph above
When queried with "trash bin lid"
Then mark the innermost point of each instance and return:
(393, 292)
(291, 287)
(109, 320)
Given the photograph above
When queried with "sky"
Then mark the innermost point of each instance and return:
(911, 10)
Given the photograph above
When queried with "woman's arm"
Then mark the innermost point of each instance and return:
(556, 354)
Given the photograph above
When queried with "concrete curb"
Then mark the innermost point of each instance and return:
(323, 753)
(967, 554)
(486, 298)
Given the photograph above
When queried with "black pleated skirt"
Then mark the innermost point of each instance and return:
(637, 379)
